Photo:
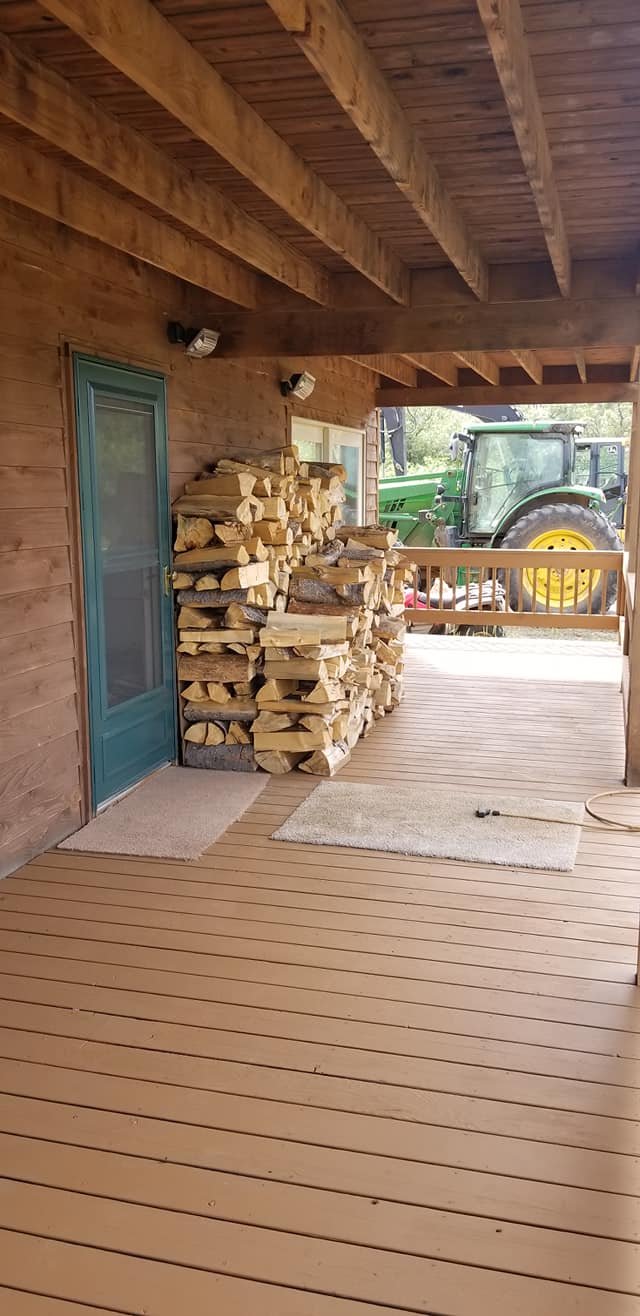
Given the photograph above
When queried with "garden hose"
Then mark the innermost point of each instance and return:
(567, 822)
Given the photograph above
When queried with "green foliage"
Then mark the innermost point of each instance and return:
(429, 429)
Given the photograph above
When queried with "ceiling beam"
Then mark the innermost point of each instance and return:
(476, 327)
(531, 364)
(486, 394)
(325, 34)
(505, 32)
(136, 39)
(39, 99)
(44, 185)
(481, 363)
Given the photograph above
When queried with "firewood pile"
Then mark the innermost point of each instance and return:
(290, 625)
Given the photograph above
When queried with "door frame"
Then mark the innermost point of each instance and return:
(74, 354)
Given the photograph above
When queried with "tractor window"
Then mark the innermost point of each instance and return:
(505, 469)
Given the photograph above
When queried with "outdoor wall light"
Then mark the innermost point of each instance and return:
(197, 342)
(298, 386)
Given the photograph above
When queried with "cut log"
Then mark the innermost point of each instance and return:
(325, 762)
(211, 598)
(372, 536)
(245, 577)
(264, 594)
(235, 710)
(305, 669)
(241, 614)
(196, 734)
(196, 691)
(295, 740)
(225, 758)
(217, 692)
(215, 734)
(207, 582)
(292, 636)
(192, 532)
(274, 689)
(274, 509)
(233, 532)
(195, 619)
(267, 721)
(238, 484)
(299, 607)
(277, 761)
(272, 533)
(331, 628)
(225, 555)
(181, 580)
(325, 692)
(257, 550)
(215, 667)
(317, 651)
(299, 707)
(237, 734)
(220, 636)
(216, 508)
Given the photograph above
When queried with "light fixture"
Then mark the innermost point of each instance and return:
(298, 386)
(197, 342)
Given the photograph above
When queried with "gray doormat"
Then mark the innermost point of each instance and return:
(176, 814)
(439, 824)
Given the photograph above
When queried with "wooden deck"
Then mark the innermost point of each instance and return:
(305, 1082)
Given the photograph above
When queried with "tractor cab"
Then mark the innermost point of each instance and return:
(602, 464)
(508, 467)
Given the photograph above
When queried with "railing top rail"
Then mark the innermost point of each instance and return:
(572, 559)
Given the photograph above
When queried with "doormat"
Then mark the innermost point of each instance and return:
(439, 824)
(176, 814)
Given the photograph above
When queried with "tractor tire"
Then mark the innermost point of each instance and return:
(562, 526)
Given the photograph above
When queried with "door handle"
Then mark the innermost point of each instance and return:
(166, 580)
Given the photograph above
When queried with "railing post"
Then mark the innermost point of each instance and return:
(631, 685)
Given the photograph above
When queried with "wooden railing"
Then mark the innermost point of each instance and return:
(516, 587)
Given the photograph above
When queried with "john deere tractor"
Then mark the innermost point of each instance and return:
(509, 485)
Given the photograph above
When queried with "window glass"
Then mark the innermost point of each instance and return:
(318, 442)
(507, 467)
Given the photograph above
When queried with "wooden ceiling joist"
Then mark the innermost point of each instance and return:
(505, 32)
(486, 395)
(49, 188)
(439, 364)
(634, 369)
(471, 327)
(136, 39)
(325, 34)
(481, 363)
(581, 367)
(390, 367)
(39, 99)
(530, 363)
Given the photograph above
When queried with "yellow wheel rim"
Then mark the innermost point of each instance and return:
(546, 588)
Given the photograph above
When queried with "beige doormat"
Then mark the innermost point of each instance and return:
(439, 824)
(176, 814)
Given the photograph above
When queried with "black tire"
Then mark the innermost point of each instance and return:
(560, 516)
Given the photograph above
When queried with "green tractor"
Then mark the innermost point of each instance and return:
(510, 485)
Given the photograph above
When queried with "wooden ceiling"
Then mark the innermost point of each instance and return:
(303, 154)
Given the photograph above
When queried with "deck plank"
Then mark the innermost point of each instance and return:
(318, 1082)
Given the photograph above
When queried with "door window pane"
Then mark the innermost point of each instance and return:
(129, 566)
(350, 455)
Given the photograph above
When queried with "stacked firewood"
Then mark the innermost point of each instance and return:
(290, 630)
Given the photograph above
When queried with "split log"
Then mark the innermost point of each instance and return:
(237, 484)
(325, 762)
(331, 628)
(196, 619)
(192, 532)
(246, 577)
(181, 580)
(205, 733)
(224, 555)
(296, 740)
(225, 758)
(275, 689)
(298, 607)
(220, 636)
(305, 669)
(215, 667)
(237, 734)
(277, 761)
(371, 536)
(196, 691)
(207, 582)
(229, 509)
(233, 532)
(242, 614)
(267, 721)
(217, 692)
(256, 549)
(264, 594)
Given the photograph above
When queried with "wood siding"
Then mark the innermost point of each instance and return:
(62, 292)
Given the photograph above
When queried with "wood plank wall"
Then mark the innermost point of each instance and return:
(59, 290)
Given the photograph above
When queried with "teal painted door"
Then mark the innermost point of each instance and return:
(124, 501)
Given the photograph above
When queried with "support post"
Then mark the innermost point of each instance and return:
(631, 659)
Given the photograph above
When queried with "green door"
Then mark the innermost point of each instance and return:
(124, 500)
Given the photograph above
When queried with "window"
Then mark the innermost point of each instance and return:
(334, 443)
